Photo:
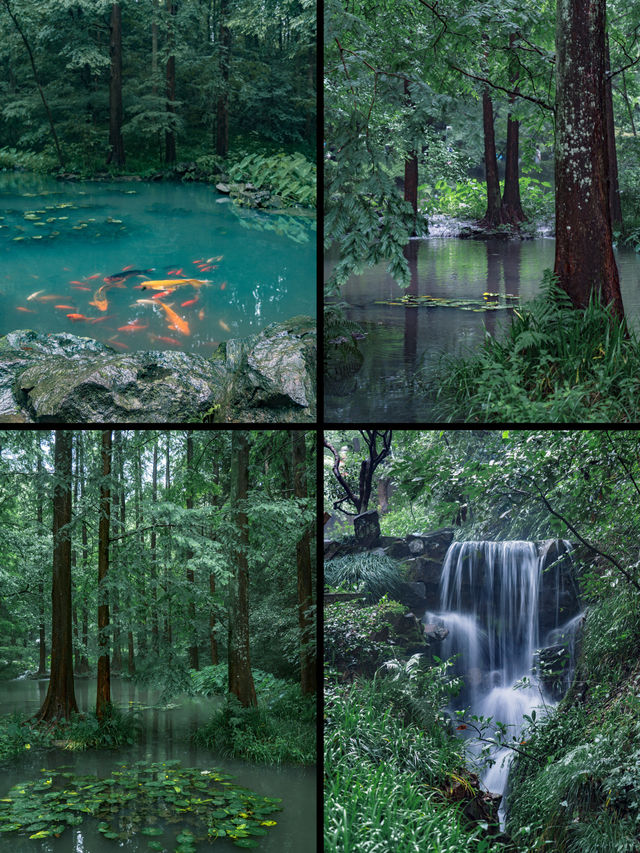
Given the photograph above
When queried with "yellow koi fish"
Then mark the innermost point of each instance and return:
(172, 283)
(177, 322)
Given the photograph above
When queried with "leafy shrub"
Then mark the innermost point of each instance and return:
(554, 364)
(612, 635)
(468, 199)
(349, 631)
(290, 176)
(17, 734)
(372, 574)
(117, 728)
(28, 160)
(215, 679)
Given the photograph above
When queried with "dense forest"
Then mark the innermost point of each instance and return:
(157, 593)
(481, 640)
(494, 122)
(94, 84)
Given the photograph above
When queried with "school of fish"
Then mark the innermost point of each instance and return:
(162, 288)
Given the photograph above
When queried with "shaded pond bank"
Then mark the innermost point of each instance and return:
(404, 341)
(164, 736)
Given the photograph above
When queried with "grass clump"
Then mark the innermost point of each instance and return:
(372, 574)
(356, 637)
(389, 758)
(555, 364)
(280, 730)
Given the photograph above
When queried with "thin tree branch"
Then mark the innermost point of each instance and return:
(511, 92)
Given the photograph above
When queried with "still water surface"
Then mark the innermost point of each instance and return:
(60, 240)
(402, 343)
(165, 736)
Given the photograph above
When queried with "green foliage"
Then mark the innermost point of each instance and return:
(117, 728)
(468, 198)
(290, 176)
(30, 161)
(18, 734)
(374, 575)
(387, 753)
(612, 636)
(350, 631)
(206, 800)
(211, 680)
(554, 363)
(280, 730)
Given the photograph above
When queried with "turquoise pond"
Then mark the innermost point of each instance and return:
(60, 240)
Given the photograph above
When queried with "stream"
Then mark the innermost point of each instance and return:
(164, 736)
(60, 240)
(403, 342)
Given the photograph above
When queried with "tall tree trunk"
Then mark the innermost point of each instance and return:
(224, 61)
(303, 560)
(116, 656)
(42, 646)
(155, 645)
(511, 204)
(60, 700)
(493, 215)
(240, 677)
(213, 643)
(103, 697)
(411, 173)
(142, 610)
(584, 254)
(615, 208)
(116, 151)
(194, 662)
(167, 595)
(36, 78)
(170, 135)
(131, 661)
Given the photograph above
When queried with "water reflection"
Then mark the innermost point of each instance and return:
(405, 342)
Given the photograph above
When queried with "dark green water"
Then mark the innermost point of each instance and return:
(403, 344)
(55, 233)
(165, 736)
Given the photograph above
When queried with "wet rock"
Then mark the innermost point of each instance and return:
(416, 546)
(268, 377)
(223, 188)
(366, 527)
(436, 632)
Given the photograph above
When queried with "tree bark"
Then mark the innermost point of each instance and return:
(493, 215)
(60, 700)
(240, 677)
(411, 174)
(194, 662)
(303, 560)
(584, 262)
(170, 135)
(511, 205)
(42, 646)
(213, 643)
(222, 106)
(155, 644)
(116, 152)
(103, 697)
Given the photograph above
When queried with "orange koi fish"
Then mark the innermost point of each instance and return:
(224, 325)
(50, 298)
(100, 300)
(164, 339)
(223, 285)
(25, 310)
(81, 287)
(161, 295)
(201, 314)
(132, 327)
(129, 267)
(75, 317)
(188, 302)
(100, 319)
(117, 344)
(177, 323)
(95, 275)
(65, 307)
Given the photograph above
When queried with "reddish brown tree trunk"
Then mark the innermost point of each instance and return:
(170, 136)
(194, 662)
(60, 700)
(222, 106)
(511, 204)
(155, 642)
(116, 152)
(213, 643)
(493, 215)
(42, 647)
(411, 175)
(584, 254)
(131, 661)
(303, 560)
(240, 677)
(103, 697)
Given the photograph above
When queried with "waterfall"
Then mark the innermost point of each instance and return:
(499, 605)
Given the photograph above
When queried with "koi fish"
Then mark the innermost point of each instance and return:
(176, 272)
(34, 295)
(144, 302)
(100, 319)
(65, 307)
(161, 295)
(164, 339)
(171, 283)
(117, 344)
(132, 327)
(75, 317)
(99, 300)
(224, 325)
(177, 322)
(95, 275)
(126, 273)
(124, 269)
(223, 285)
(25, 310)
(201, 314)
(217, 258)
(81, 287)
(188, 302)
(50, 298)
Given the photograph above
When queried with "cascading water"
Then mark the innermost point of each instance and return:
(497, 603)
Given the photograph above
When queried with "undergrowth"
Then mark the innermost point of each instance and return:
(468, 199)
(554, 364)
(372, 574)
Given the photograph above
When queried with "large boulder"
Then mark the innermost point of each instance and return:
(366, 527)
(267, 377)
